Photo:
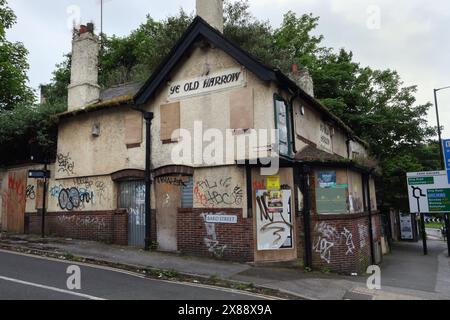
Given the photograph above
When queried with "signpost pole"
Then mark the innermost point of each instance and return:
(447, 229)
(424, 233)
(44, 202)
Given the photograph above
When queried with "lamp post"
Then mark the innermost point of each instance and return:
(439, 125)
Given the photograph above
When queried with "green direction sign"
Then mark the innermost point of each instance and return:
(420, 180)
(438, 200)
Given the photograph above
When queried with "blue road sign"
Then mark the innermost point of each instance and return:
(446, 148)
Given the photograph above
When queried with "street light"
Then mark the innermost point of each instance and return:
(439, 125)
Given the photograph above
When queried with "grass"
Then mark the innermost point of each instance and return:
(434, 225)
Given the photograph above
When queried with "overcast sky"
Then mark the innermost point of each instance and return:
(410, 36)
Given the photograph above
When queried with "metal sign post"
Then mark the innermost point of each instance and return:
(42, 174)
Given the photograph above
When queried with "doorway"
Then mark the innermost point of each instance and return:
(132, 198)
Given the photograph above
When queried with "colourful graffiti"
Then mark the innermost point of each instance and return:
(211, 194)
(74, 198)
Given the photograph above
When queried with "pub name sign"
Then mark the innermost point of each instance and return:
(225, 79)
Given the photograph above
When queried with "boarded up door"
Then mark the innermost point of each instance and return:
(168, 200)
(132, 198)
(15, 201)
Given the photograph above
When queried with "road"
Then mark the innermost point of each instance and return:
(24, 277)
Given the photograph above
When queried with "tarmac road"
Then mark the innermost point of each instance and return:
(24, 277)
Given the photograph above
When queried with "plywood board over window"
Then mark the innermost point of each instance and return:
(133, 129)
(242, 109)
(170, 120)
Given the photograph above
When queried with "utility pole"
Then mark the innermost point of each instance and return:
(439, 125)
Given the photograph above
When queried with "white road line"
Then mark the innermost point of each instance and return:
(137, 275)
(81, 295)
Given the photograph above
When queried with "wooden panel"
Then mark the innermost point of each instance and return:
(170, 120)
(168, 200)
(133, 128)
(242, 109)
(16, 201)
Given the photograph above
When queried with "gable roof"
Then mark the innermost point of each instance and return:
(201, 29)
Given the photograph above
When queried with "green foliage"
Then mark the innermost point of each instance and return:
(13, 65)
(28, 130)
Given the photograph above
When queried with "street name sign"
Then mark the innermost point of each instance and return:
(38, 174)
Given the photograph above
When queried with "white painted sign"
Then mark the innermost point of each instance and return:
(428, 192)
(406, 226)
(325, 142)
(225, 79)
(221, 219)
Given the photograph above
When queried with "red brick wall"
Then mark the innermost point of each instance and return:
(341, 243)
(226, 241)
(104, 226)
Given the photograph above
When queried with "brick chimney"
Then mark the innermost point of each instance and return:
(303, 79)
(84, 89)
(212, 12)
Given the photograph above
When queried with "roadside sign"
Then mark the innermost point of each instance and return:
(38, 174)
(428, 192)
(446, 148)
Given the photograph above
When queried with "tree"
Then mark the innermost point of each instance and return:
(14, 89)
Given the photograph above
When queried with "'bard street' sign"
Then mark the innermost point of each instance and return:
(226, 79)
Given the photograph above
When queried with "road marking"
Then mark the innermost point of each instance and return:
(138, 275)
(81, 295)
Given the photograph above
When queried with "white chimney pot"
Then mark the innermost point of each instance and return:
(212, 12)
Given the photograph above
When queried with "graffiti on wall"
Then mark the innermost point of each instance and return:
(65, 163)
(74, 198)
(363, 232)
(329, 237)
(89, 221)
(210, 240)
(274, 219)
(217, 193)
(16, 190)
(83, 191)
(171, 180)
(348, 236)
(30, 193)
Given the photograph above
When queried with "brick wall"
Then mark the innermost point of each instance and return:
(223, 241)
(341, 243)
(104, 226)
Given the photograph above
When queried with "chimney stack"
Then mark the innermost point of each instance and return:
(212, 12)
(84, 89)
(303, 79)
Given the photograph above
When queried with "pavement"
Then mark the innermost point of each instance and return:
(405, 273)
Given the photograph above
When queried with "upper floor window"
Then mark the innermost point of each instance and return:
(283, 124)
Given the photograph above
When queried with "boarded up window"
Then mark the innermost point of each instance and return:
(242, 109)
(133, 128)
(170, 120)
(187, 194)
(329, 200)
